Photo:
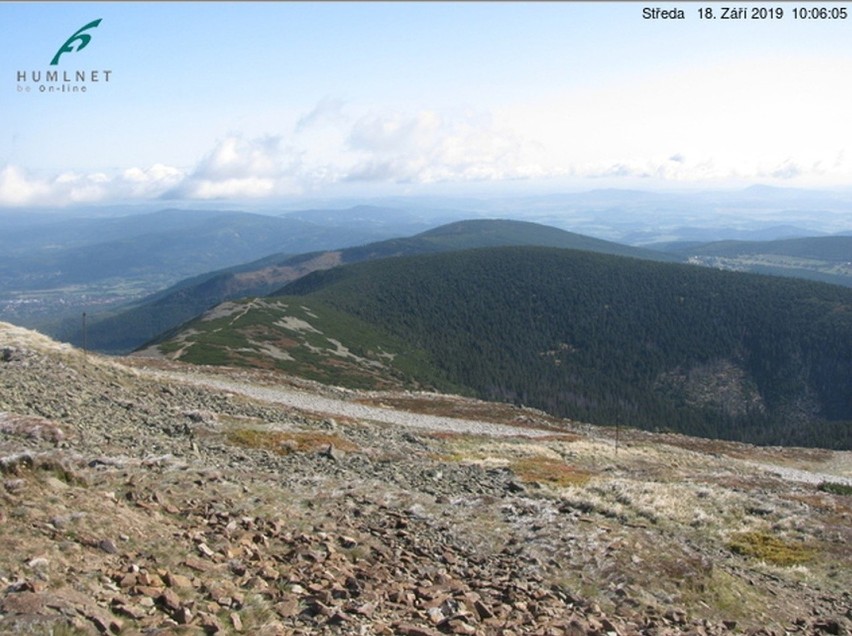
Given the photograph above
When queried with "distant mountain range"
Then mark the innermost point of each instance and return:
(591, 336)
(180, 243)
(53, 266)
(155, 269)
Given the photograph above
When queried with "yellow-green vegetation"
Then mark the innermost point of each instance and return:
(766, 547)
(548, 471)
(529, 460)
(286, 442)
(461, 447)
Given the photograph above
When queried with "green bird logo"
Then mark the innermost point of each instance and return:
(80, 36)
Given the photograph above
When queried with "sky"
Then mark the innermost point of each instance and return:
(242, 101)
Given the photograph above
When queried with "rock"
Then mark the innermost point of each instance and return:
(12, 354)
(204, 550)
(827, 625)
(287, 608)
(108, 546)
(332, 453)
(105, 622)
(365, 609)
(179, 581)
(197, 564)
(170, 600)
(458, 626)
(408, 629)
(38, 563)
(435, 615)
(483, 610)
(135, 612)
(182, 615)
(209, 623)
(23, 603)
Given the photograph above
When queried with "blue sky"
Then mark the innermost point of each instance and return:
(280, 100)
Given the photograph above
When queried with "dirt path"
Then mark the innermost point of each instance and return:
(306, 401)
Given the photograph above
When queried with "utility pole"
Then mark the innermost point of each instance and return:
(617, 432)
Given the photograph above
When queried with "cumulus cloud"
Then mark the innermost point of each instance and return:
(237, 167)
(682, 168)
(235, 158)
(335, 144)
(676, 167)
(151, 181)
(17, 188)
(20, 187)
(429, 147)
(787, 170)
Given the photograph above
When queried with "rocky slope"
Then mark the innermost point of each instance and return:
(140, 496)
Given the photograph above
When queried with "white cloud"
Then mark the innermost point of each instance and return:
(237, 167)
(236, 158)
(429, 147)
(246, 187)
(141, 183)
(745, 120)
(647, 131)
(19, 187)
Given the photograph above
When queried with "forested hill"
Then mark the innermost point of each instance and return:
(503, 232)
(169, 308)
(616, 340)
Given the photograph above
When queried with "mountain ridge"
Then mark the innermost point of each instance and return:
(596, 337)
(171, 307)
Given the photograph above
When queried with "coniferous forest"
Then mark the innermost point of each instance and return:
(614, 340)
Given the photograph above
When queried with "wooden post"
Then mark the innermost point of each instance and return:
(84, 334)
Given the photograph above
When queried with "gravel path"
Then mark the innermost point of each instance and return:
(313, 403)
(795, 474)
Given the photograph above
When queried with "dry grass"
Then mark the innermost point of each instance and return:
(468, 408)
(286, 442)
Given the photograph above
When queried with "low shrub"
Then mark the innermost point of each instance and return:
(548, 471)
(835, 488)
(769, 548)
